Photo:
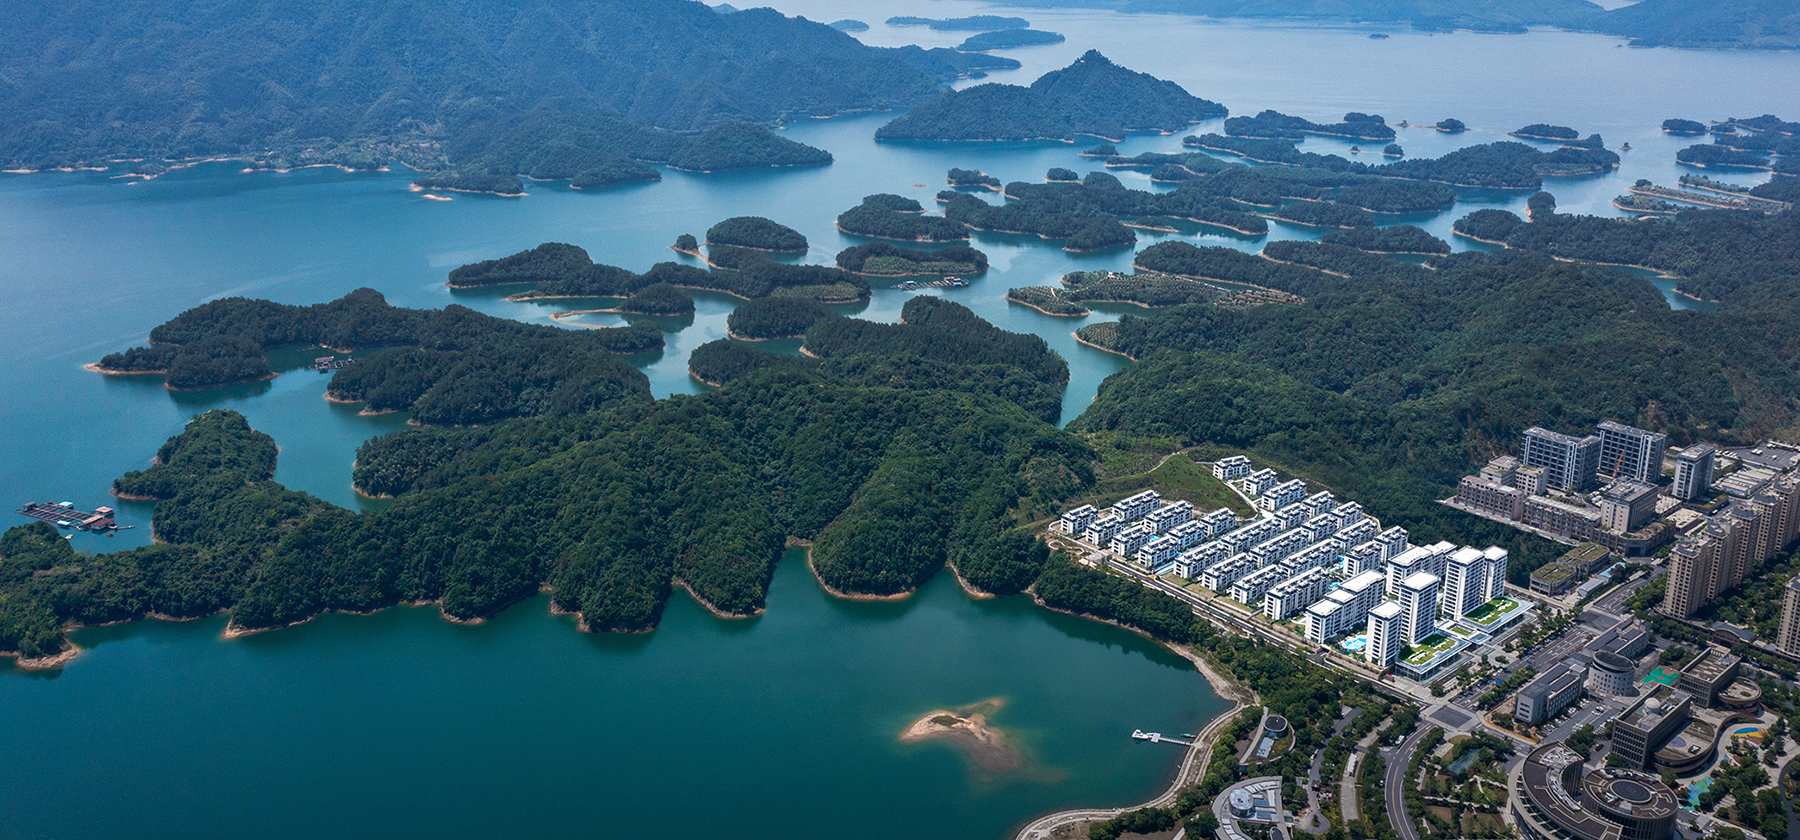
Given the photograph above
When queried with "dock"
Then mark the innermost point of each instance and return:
(326, 364)
(1159, 738)
(65, 515)
(946, 283)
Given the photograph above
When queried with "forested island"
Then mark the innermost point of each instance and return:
(558, 270)
(1274, 125)
(1543, 131)
(451, 366)
(1093, 96)
(468, 99)
(774, 317)
(757, 233)
(1006, 39)
(1683, 127)
(882, 260)
(1502, 165)
(972, 23)
(889, 216)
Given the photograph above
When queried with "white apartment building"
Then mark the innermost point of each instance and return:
(1076, 520)
(1250, 589)
(1465, 583)
(1280, 548)
(1343, 609)
(1219, 522)
(1103, 529)
(1221, 576)
(1170, 515)
(1190, 563)
(1235, 466)
(1385, 631)
(1393, 542)
(1259, 481)
(1137, 505)
(1189, 534)
(1127, 542)
(1358, 531)
(1158, 552)
(1363, 558)
(1496, 575)
(1320, 555)
(1418, 604)
(1294, 594)
(1282, 495)
(1252, 535)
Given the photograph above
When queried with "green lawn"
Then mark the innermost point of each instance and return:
(1181, 478)
(1491, 611)
(1433, 645)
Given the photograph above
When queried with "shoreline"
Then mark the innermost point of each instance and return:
(103, 371)
(1081, 340)
(898, 596)
(712, 608)
(696, 378)
(842, 230)
(1082, 314)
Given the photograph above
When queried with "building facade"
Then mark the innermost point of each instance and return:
(1418, 602)
(1233, 467)
(1569, 463)
(1629, 452)
(1693, 471)
(1384, 629)
(1627, 505)
(1787, 638)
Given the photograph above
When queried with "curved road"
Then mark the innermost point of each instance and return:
(1394, 783)
(1193, 766)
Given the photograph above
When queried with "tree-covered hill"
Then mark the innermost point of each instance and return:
(435, 84)
(1739, 24)
(1092, 96)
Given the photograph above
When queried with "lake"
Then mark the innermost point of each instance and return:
(400, 724)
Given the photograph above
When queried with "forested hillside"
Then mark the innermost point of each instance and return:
(892, 464)
(1092, 96)
(490, 88)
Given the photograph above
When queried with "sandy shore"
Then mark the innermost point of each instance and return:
(1082, 314)
(894, 238)
(1081, 340)
(44, 663)
(969, 730)
(709, 606)
(96, 368)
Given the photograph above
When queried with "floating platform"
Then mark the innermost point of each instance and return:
(1159, 738)
(326, 364)
(946, 283)
(65, 515)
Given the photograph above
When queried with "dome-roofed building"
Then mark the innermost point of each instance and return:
(1555, 797)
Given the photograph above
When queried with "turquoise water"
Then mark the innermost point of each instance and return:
(783, 726)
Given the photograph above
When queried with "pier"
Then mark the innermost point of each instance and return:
(64, 515)
(946, 283)
(1159, 738)
(326, 364)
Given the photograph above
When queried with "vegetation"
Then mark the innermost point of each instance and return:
(1679, 126)
(882, 260)
(1393, 150)
(1058, 174)
(1093, 96)
(468, 99)
(937, 329)
(971, 178)
(878, 219)
(1729, 24)
(973, 23)
(687, 243)
(1324, 214)
(775, 317)
(1542, 131)
(1006, 39)
(755, 232)
(1048, 300)
(1712, 154)
(1453, 126)
(1392, 382)
(659, 299)
(1401, 239)
(1061, 211)
(1489, 225)
(1154, 290)
(1502, 165)
(1274, 125)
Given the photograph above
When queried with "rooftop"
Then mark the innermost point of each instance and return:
(1555, 572)
(1387, 609)
(1419, 581)
(1652, 709)
(1710, 665)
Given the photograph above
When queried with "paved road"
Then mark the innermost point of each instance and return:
(1395, 782)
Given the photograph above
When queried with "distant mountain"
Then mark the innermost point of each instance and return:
(434, 84)
(1715, 24)
(1092, 96)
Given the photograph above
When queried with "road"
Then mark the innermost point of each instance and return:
(1394, 783)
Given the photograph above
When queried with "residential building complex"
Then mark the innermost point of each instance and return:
(1732, 543)
(1295, 594)
(1137, 505)
(1283, 494)
(1234, 467)
(1345, 608)
(1385, 631)
(1628, 452)
(1419, 609)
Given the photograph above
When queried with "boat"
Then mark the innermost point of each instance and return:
(1625, 148)
(1141, 735)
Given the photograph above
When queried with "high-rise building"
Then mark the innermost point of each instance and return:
(1569, 463)
(1627, 505)
(1496, 571)
(1788, 637)
(1732, 545)
(1418, 604)
(1385, 633)
(1627, 452)
(1465, 583)
(1693, 471)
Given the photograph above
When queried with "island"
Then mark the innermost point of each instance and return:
(1712, 155)
(1274, 125)
(1491, 225)
(1500, 165)
(1683, 127)
(451, 366)
(1400, 239)
(1092, 96)
(1393, 150)
(1451, 126)
(972, 23)
(430, 98)
(1543, 131)
(882, 260)
(659, 299)
(1006, 39)
(880, 217)
(1060, 175)
(972, 178)
(1104, 150)
(757, 233)
(968, 729)
(774, 317)
(849, 25)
